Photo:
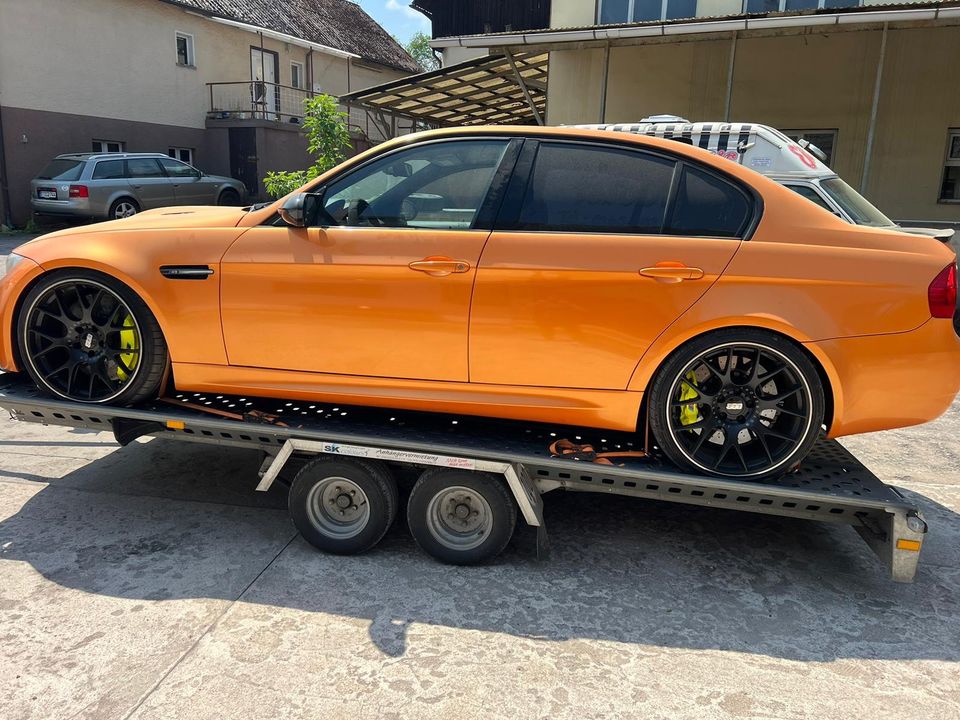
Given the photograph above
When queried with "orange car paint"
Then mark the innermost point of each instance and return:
(539, 326)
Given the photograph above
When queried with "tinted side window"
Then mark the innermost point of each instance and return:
(588, 188)
(708, 206)
(144, 168)
(440, 185)
(108, 170)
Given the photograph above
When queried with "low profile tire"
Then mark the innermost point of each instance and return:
(87, 337)
(229, 198)
(343, 506)
(461, 517)
(738, 403)
(123, 208)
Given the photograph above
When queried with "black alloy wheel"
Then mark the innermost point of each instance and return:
(739, 408)
(82, 340)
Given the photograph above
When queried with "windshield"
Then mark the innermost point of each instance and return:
(66, 170)
(854, 204)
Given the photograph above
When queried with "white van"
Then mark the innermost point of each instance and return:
(798, 166)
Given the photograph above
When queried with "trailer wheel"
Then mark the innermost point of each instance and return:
(343, 506)
(461, 517)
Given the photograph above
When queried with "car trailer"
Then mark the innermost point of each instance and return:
(474, 473)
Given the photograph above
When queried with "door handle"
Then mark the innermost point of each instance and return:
(439, 266)
(672, 272)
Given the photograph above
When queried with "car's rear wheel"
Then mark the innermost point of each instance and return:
(84, 336)
(123, 208)
(737, 403)
(229, 198)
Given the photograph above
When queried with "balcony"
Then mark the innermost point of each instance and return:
(261, 103)
(256, 100)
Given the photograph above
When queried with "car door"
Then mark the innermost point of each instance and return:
(188, 185)
(599, 248)
(150, 185)
(380, 284)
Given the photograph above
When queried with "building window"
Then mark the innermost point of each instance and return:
(825, 140)
(185, 55)
(108, 146)
(612, 12)
(765, 6)
(181, 154)
(950, 187)
(296, 75)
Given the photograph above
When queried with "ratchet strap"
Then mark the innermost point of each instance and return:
(586, 453)
(255, 416)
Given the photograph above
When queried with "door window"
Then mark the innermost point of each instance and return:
(144, 168)
(708, 206)
(177, 169)
(441, 185)
(588, 188)
(108, 170)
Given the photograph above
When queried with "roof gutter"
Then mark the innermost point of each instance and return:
(601, 33)
(282, 37)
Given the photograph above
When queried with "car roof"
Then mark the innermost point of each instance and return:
(109, 156)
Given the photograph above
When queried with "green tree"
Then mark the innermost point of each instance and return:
(327, 140)
(420, 50)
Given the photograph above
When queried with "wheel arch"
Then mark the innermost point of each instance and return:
(121, 195)
(90, 266)
(663, 349)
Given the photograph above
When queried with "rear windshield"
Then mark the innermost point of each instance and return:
(856, 206)
(62, 170)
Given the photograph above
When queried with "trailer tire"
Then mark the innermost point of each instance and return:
(343, 506)
(461, 517)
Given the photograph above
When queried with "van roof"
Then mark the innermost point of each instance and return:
(758, 147)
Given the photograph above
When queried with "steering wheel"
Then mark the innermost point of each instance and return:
(355, 213)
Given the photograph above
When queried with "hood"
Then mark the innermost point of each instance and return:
(200, 216)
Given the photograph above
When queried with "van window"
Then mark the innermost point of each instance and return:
(588, 188)
(708, 206)
(108, 170)
(66, 170)
(854, 204)
(812, 195)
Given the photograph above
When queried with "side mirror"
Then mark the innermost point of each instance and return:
(298, 210)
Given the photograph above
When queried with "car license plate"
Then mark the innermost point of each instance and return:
(46, 193)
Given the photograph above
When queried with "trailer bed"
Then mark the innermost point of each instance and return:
(830, 486)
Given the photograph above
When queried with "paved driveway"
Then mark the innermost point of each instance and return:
(152, 582)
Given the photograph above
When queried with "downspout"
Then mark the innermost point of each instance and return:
(309, 87)
(872, 128)
(730, 71)
(604, 83)
(7, 218)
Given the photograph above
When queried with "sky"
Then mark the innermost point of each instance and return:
(397, 17)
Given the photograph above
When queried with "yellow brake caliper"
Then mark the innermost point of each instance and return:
(128, 341)
(689, 414)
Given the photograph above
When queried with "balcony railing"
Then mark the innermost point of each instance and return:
(256, 100)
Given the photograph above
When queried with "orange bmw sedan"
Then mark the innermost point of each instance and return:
(552, 275)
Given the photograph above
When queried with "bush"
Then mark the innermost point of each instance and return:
(327, 140)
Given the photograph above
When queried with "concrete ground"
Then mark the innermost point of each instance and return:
(152, 582)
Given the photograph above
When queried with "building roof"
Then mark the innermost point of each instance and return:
(338, 24)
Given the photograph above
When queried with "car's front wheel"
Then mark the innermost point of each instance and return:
(229, 198)
(84, 336)
(737, 403)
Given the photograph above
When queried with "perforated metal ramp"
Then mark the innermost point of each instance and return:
(832, 485)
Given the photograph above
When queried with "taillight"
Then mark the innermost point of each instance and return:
(79, 191)
(942, 293)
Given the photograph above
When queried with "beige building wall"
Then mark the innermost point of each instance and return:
(135, 75)
(797, 82)
(572, 13)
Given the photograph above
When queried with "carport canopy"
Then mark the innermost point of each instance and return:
(506, 88)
